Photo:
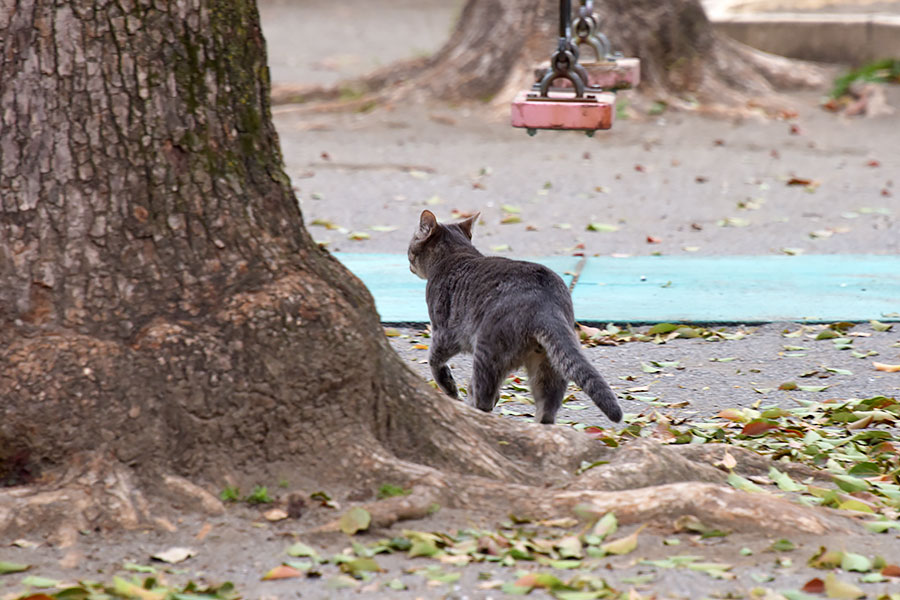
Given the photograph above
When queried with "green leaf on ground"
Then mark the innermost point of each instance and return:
(623, 545)
(835, 588)
(602, 227)
(39, 582)
(299, 550)
(742, 483)
(851, 561)
(355, 519)
(784, 481)
(12, 567)
(783, 545)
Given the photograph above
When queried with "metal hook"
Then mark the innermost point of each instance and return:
(585, 28)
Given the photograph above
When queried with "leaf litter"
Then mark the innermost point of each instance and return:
(849, 440)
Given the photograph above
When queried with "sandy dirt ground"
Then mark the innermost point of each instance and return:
(671, 183)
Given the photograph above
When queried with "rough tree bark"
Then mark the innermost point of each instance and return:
(496, 44)
(166, 322)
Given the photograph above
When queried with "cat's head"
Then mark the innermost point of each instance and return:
(433, 241)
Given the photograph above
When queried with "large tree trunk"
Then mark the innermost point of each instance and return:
(165, 318)
(160, 301)
(496, 44)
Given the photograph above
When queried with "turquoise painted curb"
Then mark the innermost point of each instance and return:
(655, 289)
(739, 289)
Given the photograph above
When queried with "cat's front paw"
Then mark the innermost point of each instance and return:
(450, 389)
(446, 382)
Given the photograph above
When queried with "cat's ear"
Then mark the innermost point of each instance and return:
(427, 225)
(467, 225)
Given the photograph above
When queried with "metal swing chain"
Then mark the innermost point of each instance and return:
(564, 61)
(586, 28)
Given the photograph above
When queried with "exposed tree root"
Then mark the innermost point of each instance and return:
(645, 482)
(714, 505)
(94, 492)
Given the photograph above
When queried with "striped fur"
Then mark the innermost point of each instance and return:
(507, 313)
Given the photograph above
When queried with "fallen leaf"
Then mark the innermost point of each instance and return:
(282, 572)
(127, 589)
(275, 514)
(11, 567)
(743, 483)
(891, 571)
(355, 519)
(300, 550)
(758, 427)
(728, 461)
(835, 588)
(39, 582)
(174, 555)
(605, 526)
(783, 545)
(539, 580)
(826, 559)
(204, 531)
(653, 240)
(855, 562)
(357, 566)
(799, 181)
(886, 368)
(879, 326)
(784, 481)
(814, 586)
(733, 222)
(324, 223)
(601, 227)
(623, 545)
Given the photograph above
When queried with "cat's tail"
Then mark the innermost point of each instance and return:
(564, 353)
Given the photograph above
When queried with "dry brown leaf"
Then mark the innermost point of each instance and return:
(275, 514)
(204, 531)
(814, 586)
(282, 572)
(886, 368)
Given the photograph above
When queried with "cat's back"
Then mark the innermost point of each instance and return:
(495, 287)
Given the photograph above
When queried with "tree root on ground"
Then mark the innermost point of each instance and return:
(644, 482)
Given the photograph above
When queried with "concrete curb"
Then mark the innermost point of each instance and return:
(837, 38)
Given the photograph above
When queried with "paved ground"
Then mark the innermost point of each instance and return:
(710, 375)
(698, 186)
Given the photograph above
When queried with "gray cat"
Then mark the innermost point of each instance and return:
(508, 313)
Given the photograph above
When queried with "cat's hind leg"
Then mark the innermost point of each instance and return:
(443, 349)
(487, 375)
(547, 386)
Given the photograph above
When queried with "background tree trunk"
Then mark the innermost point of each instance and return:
(496, 44)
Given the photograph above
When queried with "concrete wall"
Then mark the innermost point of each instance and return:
(839, 38)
